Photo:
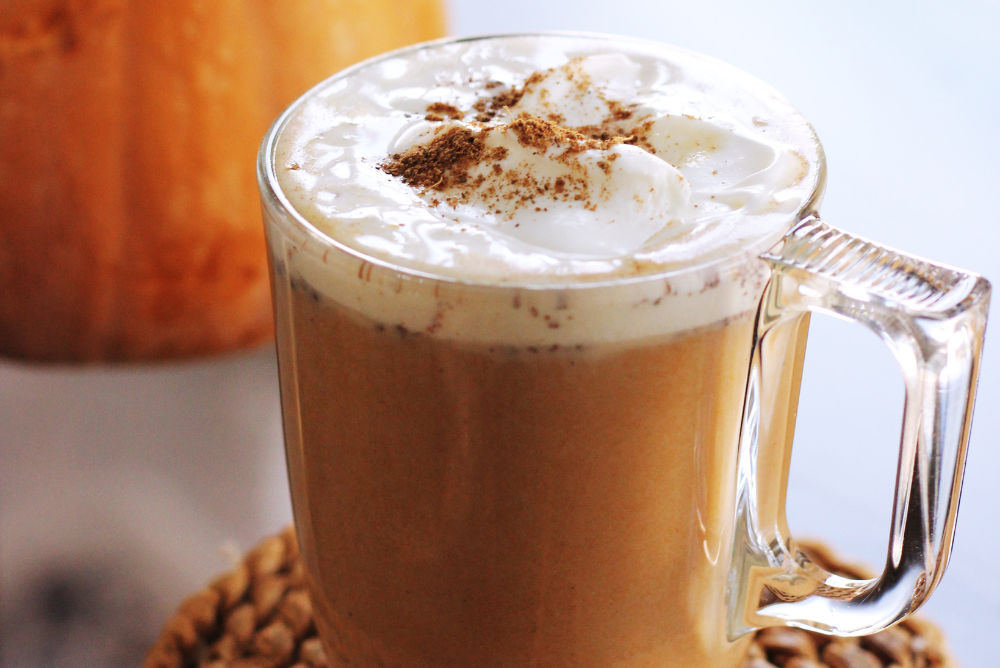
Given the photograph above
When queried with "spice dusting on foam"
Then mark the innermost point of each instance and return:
(589, 190)
(466, 164)
(567, 162)
(581, 170)
(542, 163)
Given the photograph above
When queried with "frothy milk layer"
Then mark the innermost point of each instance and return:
(541, 169)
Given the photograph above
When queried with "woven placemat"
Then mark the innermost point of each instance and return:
(259, 616)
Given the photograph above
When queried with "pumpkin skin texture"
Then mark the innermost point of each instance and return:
(129, 216)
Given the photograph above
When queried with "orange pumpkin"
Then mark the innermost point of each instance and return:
(129, 216)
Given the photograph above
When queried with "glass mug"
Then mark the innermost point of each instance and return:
(618, 501)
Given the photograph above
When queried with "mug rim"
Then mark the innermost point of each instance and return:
(271, 191)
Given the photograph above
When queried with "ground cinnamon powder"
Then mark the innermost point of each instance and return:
(443, 162)
(450, 162)
(438, 111)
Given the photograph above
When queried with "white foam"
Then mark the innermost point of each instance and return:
(733, 166)
(632, 195)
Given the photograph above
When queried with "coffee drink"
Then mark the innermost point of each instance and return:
(515, 284)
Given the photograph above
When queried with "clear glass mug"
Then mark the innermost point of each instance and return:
(595, 502)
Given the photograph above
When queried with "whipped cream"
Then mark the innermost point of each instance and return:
(593, 160)
(531, 181)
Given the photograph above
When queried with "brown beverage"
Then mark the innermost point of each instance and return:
(541, 507)
(530, 466)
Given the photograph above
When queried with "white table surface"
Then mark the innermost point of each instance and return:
(904, 97)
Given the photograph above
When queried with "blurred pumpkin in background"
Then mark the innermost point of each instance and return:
(129, 217)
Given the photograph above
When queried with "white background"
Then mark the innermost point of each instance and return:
(148, 471)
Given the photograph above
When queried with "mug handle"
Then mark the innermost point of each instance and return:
(933, 318)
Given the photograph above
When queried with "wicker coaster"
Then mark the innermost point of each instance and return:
(259, 616)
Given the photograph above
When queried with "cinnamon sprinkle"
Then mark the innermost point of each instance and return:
(541, 134)
(446, 164)
(489, 108)
(444, 161)
(457, 163)
(441, 111)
